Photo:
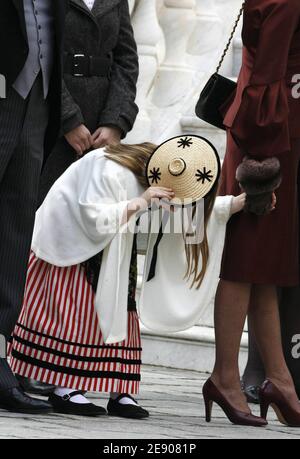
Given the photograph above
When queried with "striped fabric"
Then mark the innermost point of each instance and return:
(58, 340)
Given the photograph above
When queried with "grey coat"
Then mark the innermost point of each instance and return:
(99, 101)
(96, 101)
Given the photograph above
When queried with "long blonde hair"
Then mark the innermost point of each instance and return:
(135, 158)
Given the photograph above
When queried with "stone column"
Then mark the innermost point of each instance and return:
(204, 50)
(175, 76)
(206, 40)
(149, 39)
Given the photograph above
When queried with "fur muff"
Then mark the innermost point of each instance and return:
(259, 204)
(259, 179)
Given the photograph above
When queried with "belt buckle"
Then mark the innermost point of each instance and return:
(76, 65)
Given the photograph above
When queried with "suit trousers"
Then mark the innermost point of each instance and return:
(23, 125)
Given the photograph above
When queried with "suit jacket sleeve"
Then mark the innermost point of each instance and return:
(259, 117)
(120, 109)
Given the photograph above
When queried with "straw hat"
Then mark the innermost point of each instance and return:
(190, 165)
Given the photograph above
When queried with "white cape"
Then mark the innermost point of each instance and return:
(81, 216)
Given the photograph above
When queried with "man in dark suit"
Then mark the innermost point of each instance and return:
(31, 34)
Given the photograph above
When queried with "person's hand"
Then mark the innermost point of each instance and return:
(106, 136)
(238, 203)
(155, 192)
(80, 139)
(144, 201)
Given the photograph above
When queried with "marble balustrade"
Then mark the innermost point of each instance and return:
(179, 45)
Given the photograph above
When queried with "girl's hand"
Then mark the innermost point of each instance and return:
(144, 201)
(238, 203)
(157, 193)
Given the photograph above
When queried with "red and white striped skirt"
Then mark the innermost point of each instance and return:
(58, 339)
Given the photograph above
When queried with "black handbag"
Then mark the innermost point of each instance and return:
(217, 90)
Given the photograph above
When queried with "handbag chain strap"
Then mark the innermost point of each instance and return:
(231, 37)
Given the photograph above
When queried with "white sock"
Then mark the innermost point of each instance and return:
(124, 400)
(61, 391)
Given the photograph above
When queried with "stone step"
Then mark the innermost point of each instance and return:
(193, 349)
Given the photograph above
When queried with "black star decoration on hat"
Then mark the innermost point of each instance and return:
(185, 142)
(204, 175)
(155, 175)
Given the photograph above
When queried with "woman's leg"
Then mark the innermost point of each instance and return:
(254, 374)
(231, 308)
(264, 317)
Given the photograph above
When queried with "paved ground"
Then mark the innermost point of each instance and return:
(174, 400)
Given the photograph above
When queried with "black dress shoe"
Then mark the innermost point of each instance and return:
(115, 408)
(16, 401)
(252, 393)
(35, 387)
(64, 405)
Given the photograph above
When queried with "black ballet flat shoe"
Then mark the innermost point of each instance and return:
(35, 387)
(114, 408)
(64, 405)
(252, 393)
(16, 401)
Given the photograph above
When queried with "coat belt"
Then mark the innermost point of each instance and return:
(82, 65)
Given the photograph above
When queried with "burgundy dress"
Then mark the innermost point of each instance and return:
(264, 120)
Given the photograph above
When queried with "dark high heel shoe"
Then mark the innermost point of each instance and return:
(212, 395)
(270, 395)
(251, 393)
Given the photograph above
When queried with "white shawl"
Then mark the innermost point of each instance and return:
(81, 216)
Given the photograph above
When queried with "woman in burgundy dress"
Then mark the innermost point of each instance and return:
(261, 248)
